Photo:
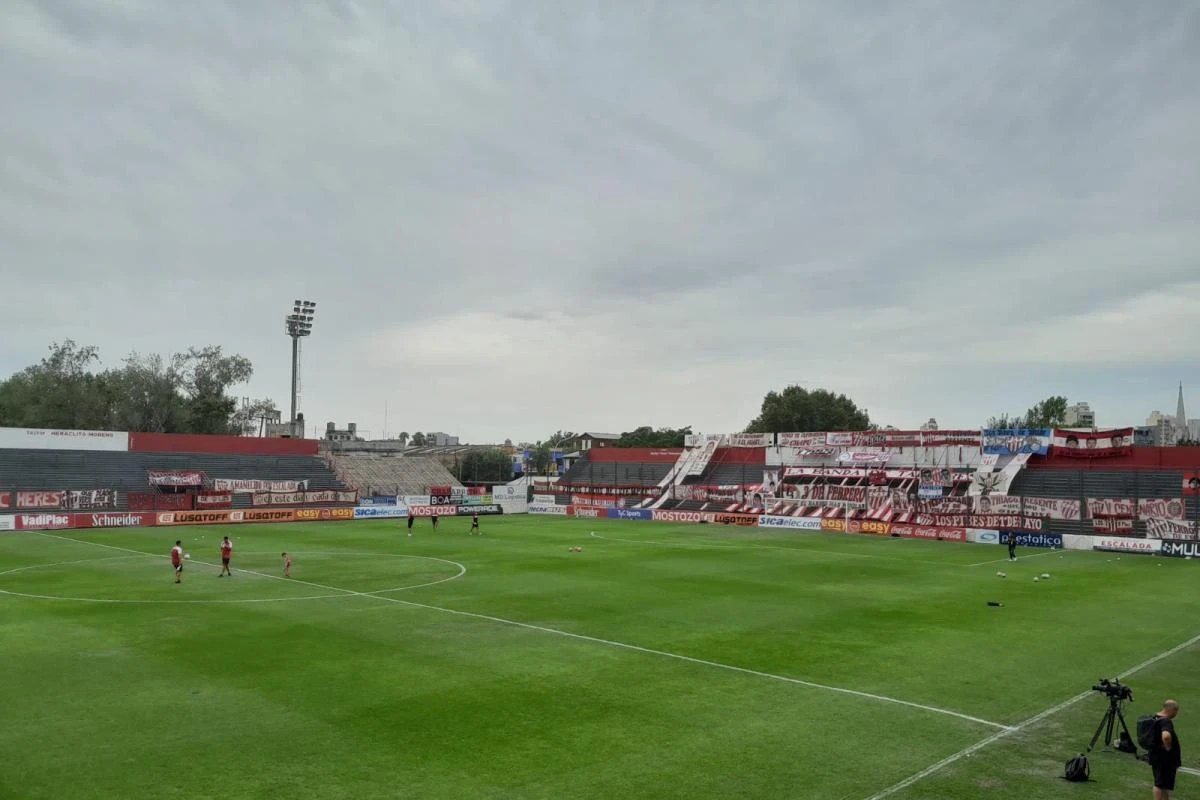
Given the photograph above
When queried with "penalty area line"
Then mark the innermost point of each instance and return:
(608, 642)
(961, 754)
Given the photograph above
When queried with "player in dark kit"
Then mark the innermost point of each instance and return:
(411, 520)
(1012, 546)
(434, 519)
(475, 524)
(177, 560)
(226, 554)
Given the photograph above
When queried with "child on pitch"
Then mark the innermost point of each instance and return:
(287, 565)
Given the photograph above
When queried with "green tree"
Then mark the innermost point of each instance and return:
(1049, 413)
(1005, 422)
(797, 409)
(418, 439)
(646, 436)
(484, 465)
(61, 391)
(145, 396)
(403, 438)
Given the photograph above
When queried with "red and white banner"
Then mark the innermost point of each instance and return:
(815, 492)
(214, 500)
(1172, 508)
(1052, 508)
(175, 477)
(287, 498)
(998, 504)
(928, 532)
(986, 521)
(950, 438)
(595, 501)
(1171, 529)
(865, 457)
(244, 486)
(5, 500)
(1112, 525)
(1101, 507)
(903, 503)
(815, 452)
(55, 499)
(128, 519)
(585, 512)
(1093, 444)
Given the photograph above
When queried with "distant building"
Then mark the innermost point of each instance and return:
(441, 440)
(586, 441)
(1163, 427)
(1080, 415)
(350, 434)
(1193, 430)
(930, 426)
(1181, 422)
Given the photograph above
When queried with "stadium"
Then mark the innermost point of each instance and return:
(668, 622)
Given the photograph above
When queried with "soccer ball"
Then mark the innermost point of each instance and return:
(187, 555)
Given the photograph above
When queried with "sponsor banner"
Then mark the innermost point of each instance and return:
(378, 500)
(214, 500)
(948, 534)
(792, 523)
(1051, 540)
(1171, 529)
(997, 504)
(1191, 483)
(835, 525)
(735, 519)
(8, 522)
(376, 512)
(1011, 441)
(866, 457)
(53, 499)
(871, 526)
(586, 512)
(681, 516)
(1181, 549)
(997, 521)
(979, 536)
(446, 490)
(1127, 544)
(43, 522)
(1093, 444)
(468, 510)
(1112, 525)
(411, 500)
(1123, 508)
(750, 440)
(436, 499)
(507, 493)
(547, 508)
(53, 439)
(6, 500)
(1161, 508)
(128, 519)
(444, 510)
(1052, 508)
(223, 517)
(800, 439)
(175, 477)
(629, 513)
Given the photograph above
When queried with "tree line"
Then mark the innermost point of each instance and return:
(187, 392)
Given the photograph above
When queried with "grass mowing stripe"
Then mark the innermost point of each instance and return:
(1002, 560)
(945, 762)
(596, 640)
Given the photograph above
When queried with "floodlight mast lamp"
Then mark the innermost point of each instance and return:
(298, 324)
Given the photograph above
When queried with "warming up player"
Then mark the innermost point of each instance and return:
(475, 524)
(287, 565)
(177, 560)
(226, 554)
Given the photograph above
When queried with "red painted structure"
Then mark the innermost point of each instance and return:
(635, 455)
(1158, 459)
(233, 445)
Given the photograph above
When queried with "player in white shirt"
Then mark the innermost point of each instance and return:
(177, 560)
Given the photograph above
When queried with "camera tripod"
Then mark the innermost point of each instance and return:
(1108, 726)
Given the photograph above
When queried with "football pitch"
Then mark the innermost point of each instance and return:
(660, 662)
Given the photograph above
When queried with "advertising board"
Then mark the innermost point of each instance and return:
(980, 536)
(1051, 540)
(53, 439)
(939, 534)
(629, 513)
(871, 526)
(680, 516)
(1127, 544)
(586, 512)
(546, 508)
(224, 517)
(128, 519)
(380, 512)
(8, 522)
(791, 523)
(489, 509)
(746, 520)
(833, 525)
(43, 522)
(1176, 549)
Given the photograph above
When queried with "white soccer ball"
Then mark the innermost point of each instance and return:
(187, 555)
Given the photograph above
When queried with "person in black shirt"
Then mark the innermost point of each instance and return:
(1166, 756)
(1012, 545)
(475, 524)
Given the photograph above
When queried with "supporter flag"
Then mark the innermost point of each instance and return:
(1191, 483)
(1093, 444)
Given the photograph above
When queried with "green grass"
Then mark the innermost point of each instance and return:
(325, 691)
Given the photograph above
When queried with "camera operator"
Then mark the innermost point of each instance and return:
(1165, 756)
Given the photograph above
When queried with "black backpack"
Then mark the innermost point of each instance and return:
(1147, 732)
(1078, 770)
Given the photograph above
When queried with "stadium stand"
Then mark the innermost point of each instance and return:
(1084, 484)
(30, 470)
(390, 474)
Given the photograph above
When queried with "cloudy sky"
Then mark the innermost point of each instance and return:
(517, 217)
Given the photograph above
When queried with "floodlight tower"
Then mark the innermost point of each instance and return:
(298, 324)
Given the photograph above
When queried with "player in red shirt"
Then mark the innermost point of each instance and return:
(287, 565)
(475, 524)
(177, 560)
(226, 554)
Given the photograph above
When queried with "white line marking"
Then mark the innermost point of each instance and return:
(1022, 558)
(805, 550)
(596, 640)
(945, 762)
(1189, 770)
(462, 570)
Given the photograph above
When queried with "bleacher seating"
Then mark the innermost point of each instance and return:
(1083, 484)
(127, 472)
(586, 472)
(391, 474)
